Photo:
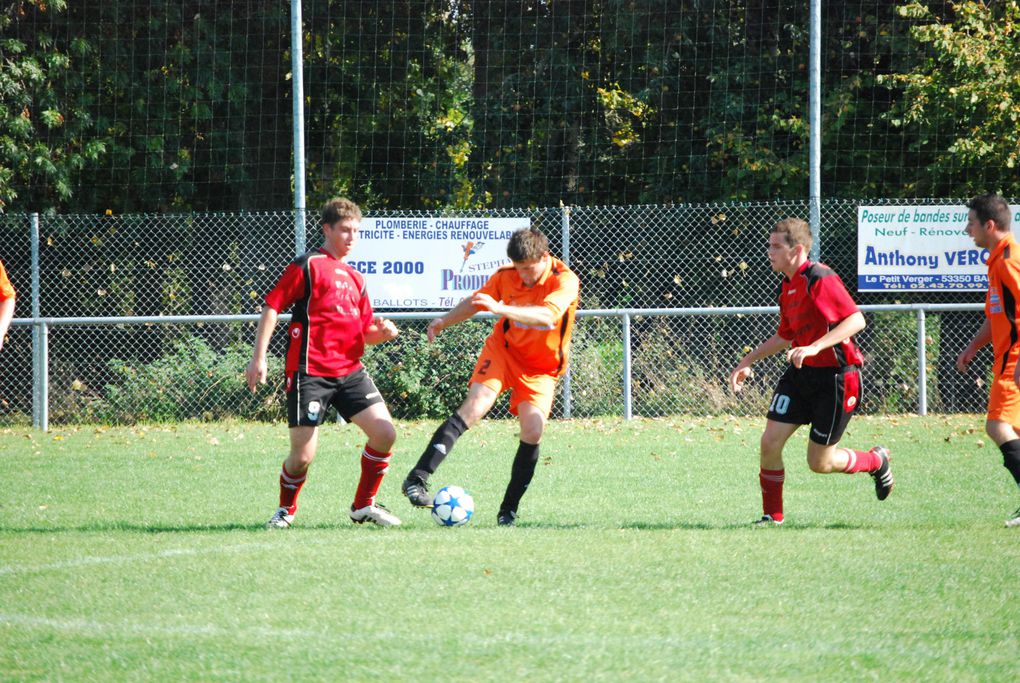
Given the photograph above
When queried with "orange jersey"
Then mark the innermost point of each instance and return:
(6, 290)
(1002, 303)
(539, 350)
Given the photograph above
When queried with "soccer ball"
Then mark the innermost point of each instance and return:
(452, 506)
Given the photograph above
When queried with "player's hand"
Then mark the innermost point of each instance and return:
(383, 328)
(964, 359)
(485, 301)
(738, 377)
(798, 354)
(255, 374)
(436, 325)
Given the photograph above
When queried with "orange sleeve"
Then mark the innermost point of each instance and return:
(491, 287)
(565, 294)
(6, 289)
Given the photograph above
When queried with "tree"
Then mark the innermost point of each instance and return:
(965, 91)
(45, 138)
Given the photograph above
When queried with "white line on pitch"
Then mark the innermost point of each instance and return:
(90, 626)
(163, 554)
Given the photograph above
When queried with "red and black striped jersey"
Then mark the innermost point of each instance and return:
(811, 303)
(331, 311)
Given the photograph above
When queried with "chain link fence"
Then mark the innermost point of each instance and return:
(152, 317)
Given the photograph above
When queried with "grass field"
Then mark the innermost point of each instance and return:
(138, 554)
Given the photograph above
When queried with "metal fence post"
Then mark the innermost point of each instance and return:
(815, 127)
(40, 392)
(565, 231)
(922, 369)
(627, 402)
(298, 124)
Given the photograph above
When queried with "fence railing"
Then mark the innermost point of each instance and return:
(626, 362)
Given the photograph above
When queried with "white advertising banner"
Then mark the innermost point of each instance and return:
(430, 263)
(918, 248)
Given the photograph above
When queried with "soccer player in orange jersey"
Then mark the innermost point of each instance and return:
(535, 298)
(7, 297)
(822, 385)
(988, 224)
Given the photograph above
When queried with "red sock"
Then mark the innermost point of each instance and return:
(373, 466)
(290, 487)
(862, 461)
(772, 492)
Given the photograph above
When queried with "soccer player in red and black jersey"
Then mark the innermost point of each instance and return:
(822, 385)
(331, 322)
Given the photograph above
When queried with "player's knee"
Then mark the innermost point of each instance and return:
(532, 433)
(822, 461)
(771, 443)
(1000, 432)
(382, 434)
(819, 465)
(298, 461)
(532, 424)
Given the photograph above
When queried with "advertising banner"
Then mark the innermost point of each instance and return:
(430, 263)
(917, 248)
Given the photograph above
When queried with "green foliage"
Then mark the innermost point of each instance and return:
(890, 371)
(186, 106)
(192, 380)
(596, 367)
(419, 379)
(965, 91)
(42, 134)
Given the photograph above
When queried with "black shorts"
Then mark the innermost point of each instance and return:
(825, 398)
(308, 398)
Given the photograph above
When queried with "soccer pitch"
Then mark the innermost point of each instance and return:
(138, 553)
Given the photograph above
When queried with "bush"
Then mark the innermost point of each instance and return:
(193, 382)
(422, 380)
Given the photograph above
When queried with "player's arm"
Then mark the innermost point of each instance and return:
(6, 315)
(458, 314)
(847, 327)
(544, 315)
(380, 330)
(981, 339)
(255, 373)
(769, 347)
(533, 316)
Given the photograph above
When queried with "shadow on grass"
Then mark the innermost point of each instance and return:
(166, 528)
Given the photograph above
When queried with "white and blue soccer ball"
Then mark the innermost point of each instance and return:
(452, 506)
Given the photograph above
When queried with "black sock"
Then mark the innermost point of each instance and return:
(1011, 458)
(440, 446)
(520, 475)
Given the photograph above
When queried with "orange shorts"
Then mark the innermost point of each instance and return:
(1004, 399)
(498, 371)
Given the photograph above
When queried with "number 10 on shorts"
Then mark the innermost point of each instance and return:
(780, 404)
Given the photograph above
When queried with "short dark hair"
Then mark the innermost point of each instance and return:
(794, 231)
(338, 209)
(527, 244)
(991, 207)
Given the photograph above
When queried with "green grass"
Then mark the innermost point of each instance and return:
(138, 554)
